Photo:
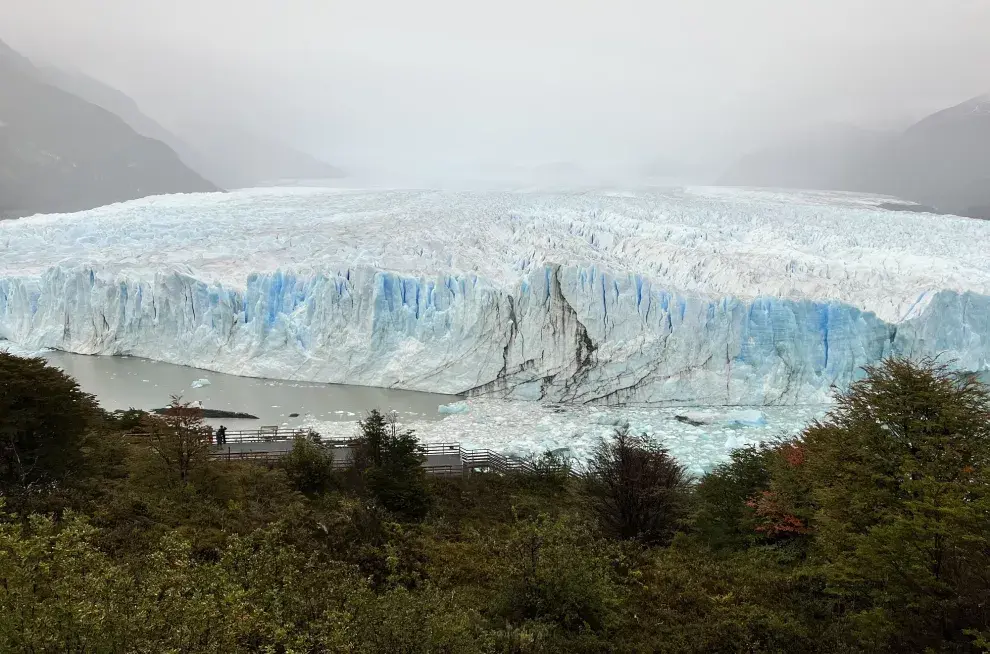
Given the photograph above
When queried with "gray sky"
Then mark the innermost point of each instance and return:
(438, 83)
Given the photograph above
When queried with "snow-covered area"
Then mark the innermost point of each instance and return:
(527, 428)
(692, 296)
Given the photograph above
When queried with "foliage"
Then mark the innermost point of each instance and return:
(130, 421)
(556, 572)
(179, 437)
(724, 513)
(899, 477)
(637, 489)
(310, 466)
(391, 461)
(869, 533)
(553, 469)
(43, 420)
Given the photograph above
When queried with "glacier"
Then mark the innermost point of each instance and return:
(641, 298)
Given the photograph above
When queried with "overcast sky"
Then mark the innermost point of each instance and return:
(444, 82)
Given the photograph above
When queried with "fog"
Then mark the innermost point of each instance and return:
(445, 85)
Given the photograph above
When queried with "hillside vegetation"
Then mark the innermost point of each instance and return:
(868, 533)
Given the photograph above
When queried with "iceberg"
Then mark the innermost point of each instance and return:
(453, 408)
(744, 418)
(661, 298)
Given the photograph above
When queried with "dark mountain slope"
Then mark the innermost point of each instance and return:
(942, 161)
(61, 153)
(116, 102)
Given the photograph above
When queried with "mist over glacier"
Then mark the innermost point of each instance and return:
(690, 296)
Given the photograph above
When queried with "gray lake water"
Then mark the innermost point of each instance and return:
(125, 382)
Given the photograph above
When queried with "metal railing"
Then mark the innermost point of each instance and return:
(482, 460)
(470, 461)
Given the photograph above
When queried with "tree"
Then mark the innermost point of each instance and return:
(179, 437)
(637, 489)
(43, 419)
(899, 478)
(309, 466)
(725, 514)
(391, 462)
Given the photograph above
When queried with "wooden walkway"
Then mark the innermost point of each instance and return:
(268, 444)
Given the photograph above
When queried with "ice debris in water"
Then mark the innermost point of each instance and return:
(200, 383)
(532, 428)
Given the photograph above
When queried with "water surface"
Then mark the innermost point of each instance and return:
(125, 382)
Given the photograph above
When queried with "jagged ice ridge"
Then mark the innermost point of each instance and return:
(690, 296)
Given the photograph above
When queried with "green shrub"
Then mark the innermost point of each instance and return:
(557, 572)
(899, 504)
(309, 466)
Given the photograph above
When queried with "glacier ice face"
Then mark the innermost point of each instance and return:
(694, 296)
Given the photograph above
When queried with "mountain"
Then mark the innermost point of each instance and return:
(830, 157)
(103, 95)
(227, 156)
(942, 161)
(239, 158)
(59, 152)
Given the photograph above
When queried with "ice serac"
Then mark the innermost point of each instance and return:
(640, 300)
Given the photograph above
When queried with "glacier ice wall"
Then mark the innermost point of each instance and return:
(568, 334)
(568, 330)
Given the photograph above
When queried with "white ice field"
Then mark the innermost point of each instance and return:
(646, 299)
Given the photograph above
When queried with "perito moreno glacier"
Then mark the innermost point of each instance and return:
(690, 296)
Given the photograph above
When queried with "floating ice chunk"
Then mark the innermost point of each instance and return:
(453, 408)
(200, 383)
(747, 418)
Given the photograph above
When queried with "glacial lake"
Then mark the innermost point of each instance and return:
(125, 382)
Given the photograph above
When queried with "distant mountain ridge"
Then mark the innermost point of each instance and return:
(227, 156)
(60, 153)
(238, 158)
(942, 160)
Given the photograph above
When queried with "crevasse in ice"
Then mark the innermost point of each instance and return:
(693, 296)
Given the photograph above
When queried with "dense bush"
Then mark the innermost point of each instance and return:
(899, 503)
(637, 489)
(725, 515)
(310, 466)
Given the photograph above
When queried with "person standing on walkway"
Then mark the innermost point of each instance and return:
(222, 435)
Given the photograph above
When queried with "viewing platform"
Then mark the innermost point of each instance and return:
(270, 443)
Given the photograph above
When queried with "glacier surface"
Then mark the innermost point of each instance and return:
(650, 298)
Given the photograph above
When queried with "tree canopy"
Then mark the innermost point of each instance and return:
(43, 419)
